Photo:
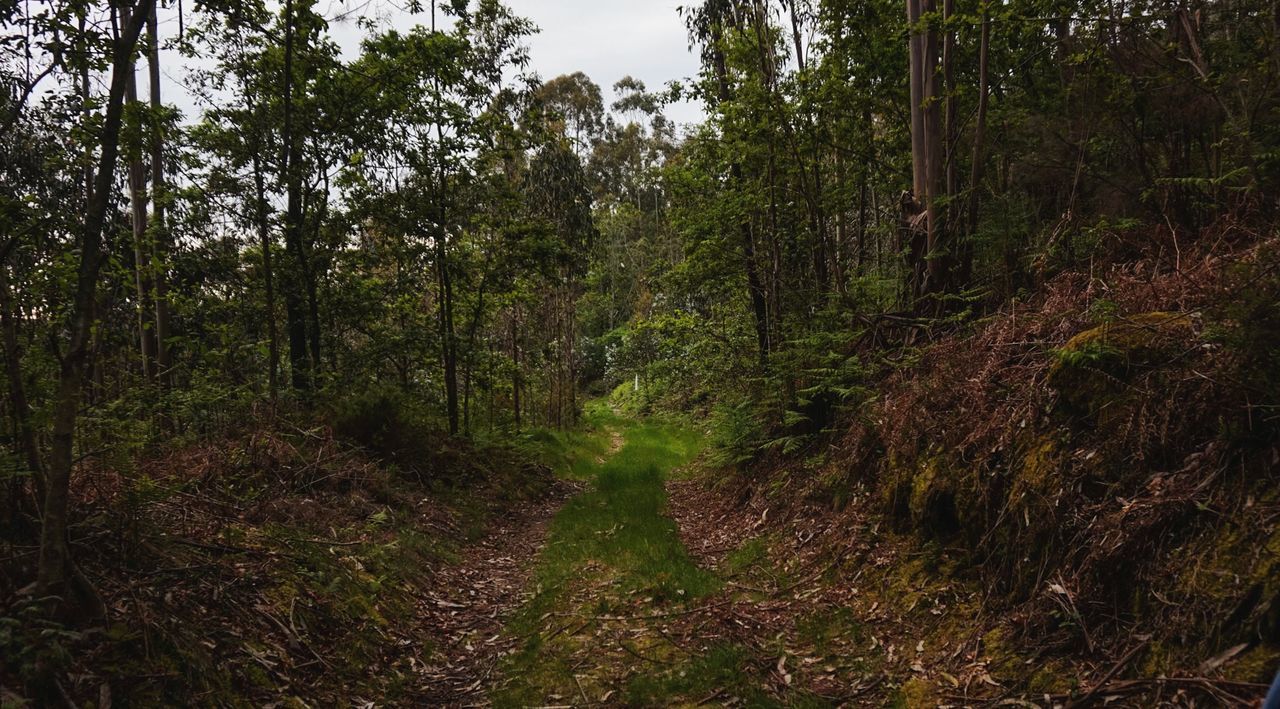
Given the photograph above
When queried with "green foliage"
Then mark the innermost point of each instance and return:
(1086, 355)
(724, 668)
(33, 647)
(737, 433)
(1250, 327)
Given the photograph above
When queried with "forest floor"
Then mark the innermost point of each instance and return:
(657, 587)
(636, 576)
(653, 589)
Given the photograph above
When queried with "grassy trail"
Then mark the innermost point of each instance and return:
(620, 611)
(612, 553)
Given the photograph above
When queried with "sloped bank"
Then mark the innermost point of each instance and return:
(1091, 475)
(298, 563)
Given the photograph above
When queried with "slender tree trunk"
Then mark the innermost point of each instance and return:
(141, 249)
(515, 370)
(161, 243)
(979, 145)
(447, 346)
(916, 43)
(947, 257)
(571, 345)
(913, 237)
(755, 287)
(469, 362)
(934, 164)
(56, 572)
(20, 408)
(268, 277)
(448, 340)
(294, 281)
(312, 275)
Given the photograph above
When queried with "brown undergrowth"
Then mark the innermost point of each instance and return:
(286, 567)
(1073, 499)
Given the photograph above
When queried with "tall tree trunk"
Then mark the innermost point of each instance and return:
(948, 257)
(56, 572)
(295, 278)
(916, 53)
(312, 275)
(976, 169)
(515, 370)
(141, 249)
(268, 277)
(571, 344)
(449, 351)
(469, 362)
(935, 158)
(161, 243)
(20, 408)
(913, 236)
(755, 286)
(448, 340)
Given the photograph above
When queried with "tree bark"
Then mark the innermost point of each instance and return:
(976, 169)
(161, 243)
(141, 249)
(20, 408)
(295, 307)
(515, 371)
(755, 287)
(936, 254)
(268, 276)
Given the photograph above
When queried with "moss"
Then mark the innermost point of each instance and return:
(1258, 664)
(1000, 653)
(917, 694)
(1052, 678)
(933, 498)
(1092, 367)
(1034, 489)
(1158, 659)
(822, 628)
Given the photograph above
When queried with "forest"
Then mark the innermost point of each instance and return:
(937, 363)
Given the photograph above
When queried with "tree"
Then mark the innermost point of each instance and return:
(56, 569)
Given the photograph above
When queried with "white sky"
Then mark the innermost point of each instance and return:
(609, 39)
(606, 39)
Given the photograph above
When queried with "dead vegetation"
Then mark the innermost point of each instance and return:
(285, 565)
(1078, 493)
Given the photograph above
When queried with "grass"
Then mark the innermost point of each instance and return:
(614, 561)
(613, 542)
(575, 454)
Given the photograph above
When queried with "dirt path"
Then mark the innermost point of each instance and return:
(473, 600)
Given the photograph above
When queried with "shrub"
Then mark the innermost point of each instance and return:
(387, 423)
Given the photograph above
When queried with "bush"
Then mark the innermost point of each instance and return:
(738, 432)
(388, 423)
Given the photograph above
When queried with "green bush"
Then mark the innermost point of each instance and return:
(738, 432)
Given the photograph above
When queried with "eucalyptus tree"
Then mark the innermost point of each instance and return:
(576, 99)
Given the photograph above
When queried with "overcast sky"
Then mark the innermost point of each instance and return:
(609, 39)
(606, 39)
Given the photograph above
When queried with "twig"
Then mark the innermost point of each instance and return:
(324, 542)
(1111, 673)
